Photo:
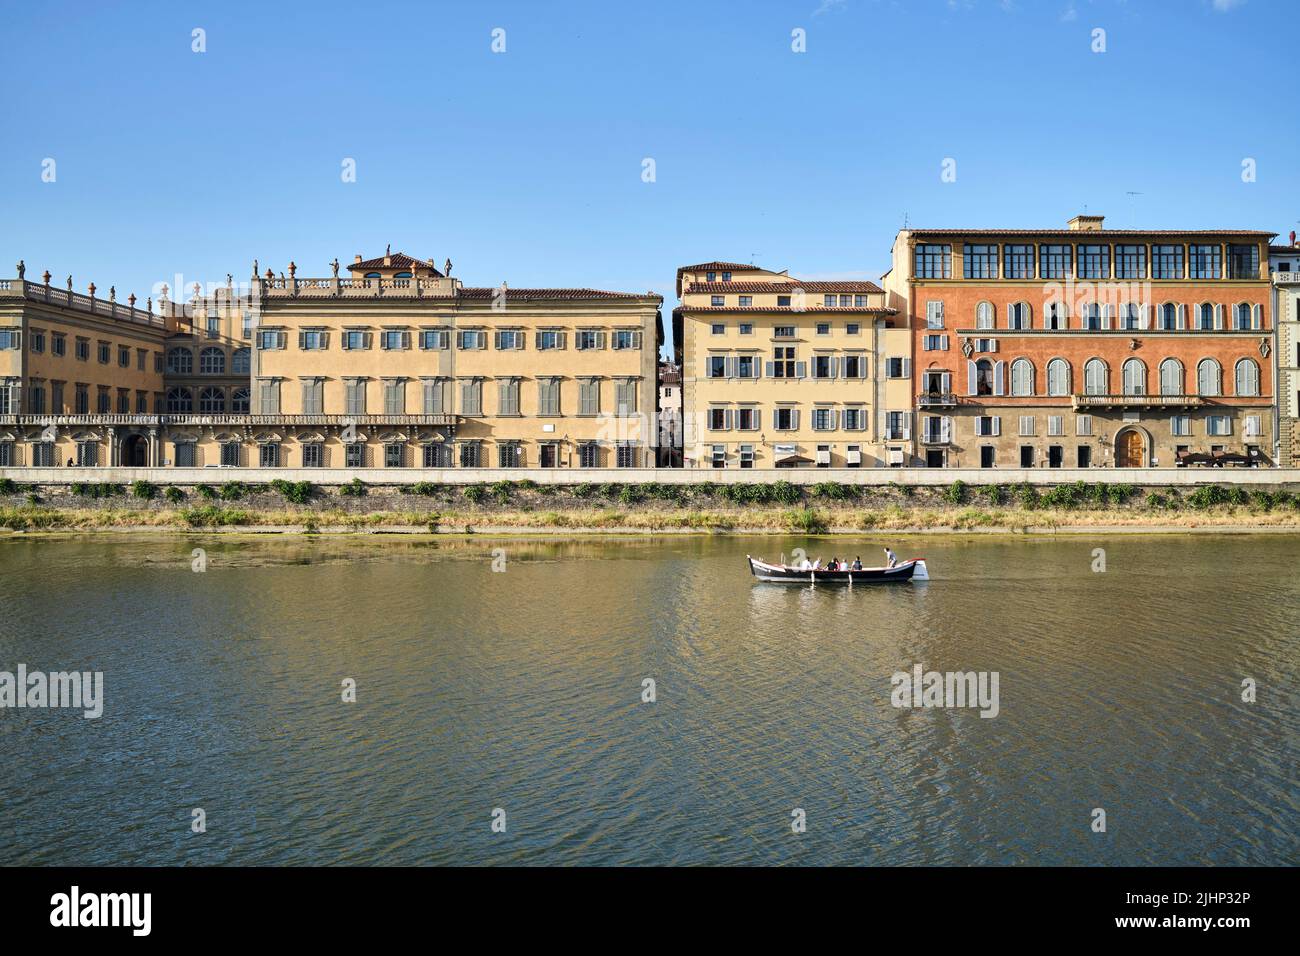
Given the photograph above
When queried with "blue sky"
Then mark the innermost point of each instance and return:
(526, 166)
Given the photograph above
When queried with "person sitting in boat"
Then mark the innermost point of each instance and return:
(805, 564)
(890, 559)
(857, 564)
(834, 565)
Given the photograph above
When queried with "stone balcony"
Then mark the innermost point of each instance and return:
(1137, 401)
(53, 295)
(335, 287)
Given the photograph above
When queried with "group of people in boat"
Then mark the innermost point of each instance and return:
(835, 564)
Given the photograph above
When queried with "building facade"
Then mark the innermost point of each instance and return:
(1284, 267)
(81, 376)
(670, 416)
(400, 365)
(1086, 346)
(778, 372)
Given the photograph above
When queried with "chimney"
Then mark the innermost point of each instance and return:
(1086, 223)
(357, 258)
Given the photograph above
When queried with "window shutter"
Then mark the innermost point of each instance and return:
(907, 368)
(302, 339)
(794, 419)
(906, 418)
(1218, 316)
(945, 429)
(731, 365)
(600, 340)
(997, 425)
(1257, 316)
(1181, 320)
(943, 339)
(636, 340)
(499, 337)
(770, 370)
(800, 369)
(563, 338)
(726, 419)
(999, 378)
(972, 377)
(281, 340)
(1144, 316)
(756, 368)
(884, 425)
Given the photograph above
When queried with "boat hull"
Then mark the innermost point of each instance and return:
(913, 570)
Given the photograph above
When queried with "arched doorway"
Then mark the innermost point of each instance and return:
(1130, 449)
(135, 451)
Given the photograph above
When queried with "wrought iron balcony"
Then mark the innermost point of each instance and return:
(937, 400)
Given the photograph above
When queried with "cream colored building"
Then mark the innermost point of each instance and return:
(401, 365)
(779, 372)
(1284, 267)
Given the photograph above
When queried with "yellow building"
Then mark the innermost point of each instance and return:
(400, 365)
(780, 372)
(81, 376)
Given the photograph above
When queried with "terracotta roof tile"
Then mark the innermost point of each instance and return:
(398, 260)
(472, 292)
(1082, 235)
(861, 285)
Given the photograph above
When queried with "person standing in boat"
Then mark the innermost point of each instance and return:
(890, 559)
(857, 564)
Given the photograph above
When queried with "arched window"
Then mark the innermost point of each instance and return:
(1056, 316)
(212, 400)
(1022, 377)
(1247, 377)
(239, 401)
(1241, 315)
(1092, 316)
(1018, 315)
(239, 361)
(212, 361)
(1209, 378)
(983, 377)
(1168, 317)
(984, 315)
(1058, 377)
(373, 275)
(180, 361)
(180, 400)
(1205, 316)
(1094, 377)
(1135, 377)
(402, 275)
(1171, 377)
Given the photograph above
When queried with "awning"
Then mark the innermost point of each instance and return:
(794, 460)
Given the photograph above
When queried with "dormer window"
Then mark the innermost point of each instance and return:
(726, 277)
(711, 277)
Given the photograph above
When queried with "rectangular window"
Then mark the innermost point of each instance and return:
(1180, 425)
(38, 341)
(393, 340)
(823, 419)
(355, 339)
(854, 419)
(589, 396)
(1094, 262)
(823, 328)
(354, 396)
(311, 340)
(471, 397)
(1027, 425)
(934, 315)
(9, 338)
(214, 326)
(1017, 261)
(746, 328)
(588, 339)
(626, 339)
(394, 455)
(746, 301)
(469, 454)
(1243, 262)
(87, 454)
(548, 396)
(980, 261)
(471, 339)
(718, 419)
(1055, 425)
(747, 419)
(828, 301)
(986, 426)
(1054, 262)
(625, 399)
(1083, 426)
(786, 419)
(354, 455)
(230, 454)
(589, 455)
(83, 350)
(717, 300)
(1205, 261)
(896, 367)
(1218, 425)
(746, 456)
(936, 343)
(1167, 261)
(313, 455)
(625, 455)
(783, 331)
(435, 396)
(395, 397)
(83, 400)
(435, 339)
(717, 366)
(43, 454)
(313, 397)
(59, 344)
(508, 397)
(246, 325)
(1130, 262)
(105, 353)
(550, 339)
(783, 301)
(268, 455)
(933, 262)
(268, 339)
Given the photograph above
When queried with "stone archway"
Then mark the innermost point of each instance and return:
(1131, 449)
(134, 452)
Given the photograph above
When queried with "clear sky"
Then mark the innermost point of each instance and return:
(527, 166)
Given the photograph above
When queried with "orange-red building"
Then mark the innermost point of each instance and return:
(1086, 346)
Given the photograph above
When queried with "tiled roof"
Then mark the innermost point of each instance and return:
(721, 266)
(785, 285)
(841, 310)
(398, 260)
(1285, 250)
(469, 292)
(1084, 234)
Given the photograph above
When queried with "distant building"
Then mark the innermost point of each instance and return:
(1087, 347)
(1284, 268)
(670, 416)
(779, 372)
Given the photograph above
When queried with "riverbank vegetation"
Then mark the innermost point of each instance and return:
(826, 507)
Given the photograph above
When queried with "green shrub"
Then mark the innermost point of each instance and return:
(425, 488)
(93, 489)
(610, 490)
(583, 490)
(173, 494)
(233, 491)
(1027, 496)
(207, 492)
(630, 495)
(144, 490)
(995, 494)
(356, 488)
(500, 490)
(213, 516)
(297, 492)
(956, 493)
(8, 486)
(1157, 501)
(904, 490)
(786, 493)
(806, 520)
(475, 493)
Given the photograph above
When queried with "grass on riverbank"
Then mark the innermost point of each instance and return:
(842, 517)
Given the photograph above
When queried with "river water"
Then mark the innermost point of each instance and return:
(520, 690)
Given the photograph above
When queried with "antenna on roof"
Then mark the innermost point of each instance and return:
(905, 220)
(1130, 194)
